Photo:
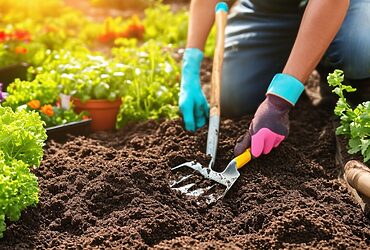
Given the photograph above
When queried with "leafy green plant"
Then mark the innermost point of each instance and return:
(162, 25)
(22, 136)
(19, 189)
(83, 75)
(354, 122)
(21, 92)
(54, 115)
(152, 80)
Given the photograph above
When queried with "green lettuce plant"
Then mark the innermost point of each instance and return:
(22, 137)
(19, 189)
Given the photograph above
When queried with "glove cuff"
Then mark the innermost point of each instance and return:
(192, 61)
(286, 87)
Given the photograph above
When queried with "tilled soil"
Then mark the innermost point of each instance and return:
(111, 190)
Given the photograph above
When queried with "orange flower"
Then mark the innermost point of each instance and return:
(85, 117)
(34, 104)
(20, 50)
(47, 110)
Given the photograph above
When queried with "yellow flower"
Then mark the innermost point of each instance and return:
(47, 110)
(34, 104)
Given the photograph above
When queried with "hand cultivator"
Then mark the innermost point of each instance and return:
(230, 174)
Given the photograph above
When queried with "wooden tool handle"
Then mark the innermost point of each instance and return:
(221, 20)
(358, 176)
(214, 116)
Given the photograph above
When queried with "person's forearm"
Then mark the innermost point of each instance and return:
(320, 23)
(202, 16)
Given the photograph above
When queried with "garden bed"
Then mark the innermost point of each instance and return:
(112, 190)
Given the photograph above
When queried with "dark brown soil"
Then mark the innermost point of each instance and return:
(112, 191)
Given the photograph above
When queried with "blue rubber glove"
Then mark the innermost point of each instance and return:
(193, 104)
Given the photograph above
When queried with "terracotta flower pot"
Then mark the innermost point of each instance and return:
(102, 112)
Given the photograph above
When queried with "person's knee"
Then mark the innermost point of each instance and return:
(242, 90)
(240, 95)
(356, 58)
(354, 43)
(239, 105)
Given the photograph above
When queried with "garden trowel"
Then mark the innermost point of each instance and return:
(231, 173)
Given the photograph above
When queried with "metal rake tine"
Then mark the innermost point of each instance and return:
(211, 198)
(185, 189)
(184, 178)
(186, 164)
(200, 191)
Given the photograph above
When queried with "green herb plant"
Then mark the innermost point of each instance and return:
(354, 122)
(152, 82)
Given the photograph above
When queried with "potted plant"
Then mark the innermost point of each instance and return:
(100, 93)
(94, 83)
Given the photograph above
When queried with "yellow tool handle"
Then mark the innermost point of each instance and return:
(243, 159)
(221, 20)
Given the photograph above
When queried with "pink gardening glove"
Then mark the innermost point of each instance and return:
(269, 127)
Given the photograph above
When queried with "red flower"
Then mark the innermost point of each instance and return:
(20, 50)
(22, 35)
(107, 37)
(3, 36)
(134, 30)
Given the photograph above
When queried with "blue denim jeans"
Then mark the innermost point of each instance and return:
(259, 37)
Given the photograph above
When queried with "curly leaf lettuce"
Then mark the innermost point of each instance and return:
(18, 190)
(22, 136)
